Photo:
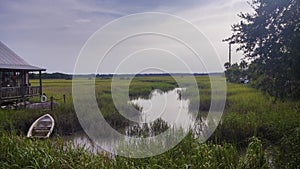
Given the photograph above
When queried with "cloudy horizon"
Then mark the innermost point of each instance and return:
(51, 34)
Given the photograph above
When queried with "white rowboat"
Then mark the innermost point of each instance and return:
(42, 127)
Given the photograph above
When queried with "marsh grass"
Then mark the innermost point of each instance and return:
(248, 113)
(251, 113)
(19, 152)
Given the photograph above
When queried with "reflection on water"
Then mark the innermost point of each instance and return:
(169, 109)
(165, 105)
(80, 139)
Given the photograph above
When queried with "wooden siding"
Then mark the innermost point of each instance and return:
(14, 93)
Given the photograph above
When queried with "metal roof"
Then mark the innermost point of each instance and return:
(10, 60)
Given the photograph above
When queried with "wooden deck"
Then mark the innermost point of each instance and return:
(15, 93)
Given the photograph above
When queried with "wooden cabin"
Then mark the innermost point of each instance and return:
(14, 77)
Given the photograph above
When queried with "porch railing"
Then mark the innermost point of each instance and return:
(7, 93)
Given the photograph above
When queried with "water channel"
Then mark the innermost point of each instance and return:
(168, 106)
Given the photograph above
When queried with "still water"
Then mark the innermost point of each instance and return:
(169, 106)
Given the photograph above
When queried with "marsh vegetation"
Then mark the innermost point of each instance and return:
(255, 131)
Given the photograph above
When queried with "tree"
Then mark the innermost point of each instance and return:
(269, 39)
(243, 65)
(227, 65)
(234, 73)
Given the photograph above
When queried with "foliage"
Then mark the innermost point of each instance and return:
(270, 39)
(248, 113)
(50, 76)
(20, 152)
(255, 157)
(290, 150)
(235, 72)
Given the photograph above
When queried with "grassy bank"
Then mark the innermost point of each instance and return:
(19, 152)
(248, 113)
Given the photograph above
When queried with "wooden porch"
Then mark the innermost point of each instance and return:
(15, 86)
(16, 93)
(14, 77)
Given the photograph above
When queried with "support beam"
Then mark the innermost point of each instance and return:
(40, 77)
(0, 94)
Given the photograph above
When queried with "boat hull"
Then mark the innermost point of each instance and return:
(41, 127)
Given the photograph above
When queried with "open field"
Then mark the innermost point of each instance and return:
(255, 131)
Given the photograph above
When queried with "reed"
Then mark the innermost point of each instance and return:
(254, 129)
(56, 153)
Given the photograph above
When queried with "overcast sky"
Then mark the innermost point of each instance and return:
(50, 34)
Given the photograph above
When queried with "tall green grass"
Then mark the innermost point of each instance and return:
(248, 113)
(19, 152)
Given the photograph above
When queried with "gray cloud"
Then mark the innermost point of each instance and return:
(51, 33)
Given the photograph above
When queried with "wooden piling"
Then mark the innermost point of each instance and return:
(51, 103)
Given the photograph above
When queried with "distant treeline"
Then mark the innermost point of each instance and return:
(50, 76)
(70, 76)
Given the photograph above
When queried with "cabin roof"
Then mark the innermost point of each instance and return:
(9, 60)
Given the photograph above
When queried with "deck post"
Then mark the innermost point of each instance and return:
(40, 77)
(0, 94)
(51, 103)
(23, 86)
(1, 83)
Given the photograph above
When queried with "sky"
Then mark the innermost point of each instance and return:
(51, 34)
